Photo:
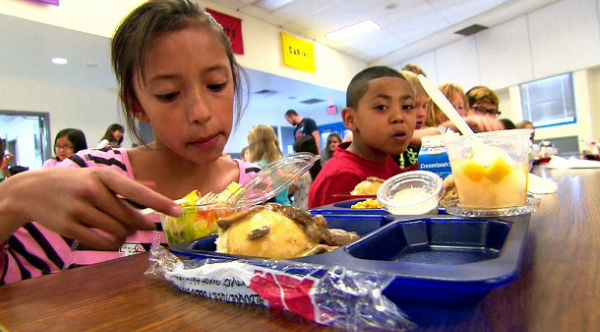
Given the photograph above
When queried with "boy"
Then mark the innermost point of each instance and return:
(380, 112)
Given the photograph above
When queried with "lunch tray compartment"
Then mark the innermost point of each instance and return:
(344, 207)
(435, 260)
(434, 241)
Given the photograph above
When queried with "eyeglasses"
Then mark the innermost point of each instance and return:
(483, 111)
(63, 147)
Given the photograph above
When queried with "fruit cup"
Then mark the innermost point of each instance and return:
(195, 222)
(490, 169)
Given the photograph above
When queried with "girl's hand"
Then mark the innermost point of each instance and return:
(80, 204)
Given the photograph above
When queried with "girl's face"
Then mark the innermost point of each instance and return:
(63, 148)
(332, 143)
(421, 101)
(117, 134)
(458, 103)
(187, 94)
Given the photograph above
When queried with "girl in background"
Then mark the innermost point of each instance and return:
(176, 72)
(457, 98)
(66, 143)
(332, 142)
(299, 189)
(113, 136)
(264, 149)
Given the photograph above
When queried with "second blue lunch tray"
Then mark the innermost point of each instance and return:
(438, 260)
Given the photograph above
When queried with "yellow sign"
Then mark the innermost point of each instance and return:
(298, 53)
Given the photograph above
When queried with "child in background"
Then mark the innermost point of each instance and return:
(245, 154)
(66, 143)
(113, 136)
(457, 98)
(299, 189)
(176, 72)
(380, 112)
(408, 159)
(332, 142)
(264, 149)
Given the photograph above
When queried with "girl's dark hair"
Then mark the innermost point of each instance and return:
(108, 135)
(133, 37)
(76, 136)
(308, 144)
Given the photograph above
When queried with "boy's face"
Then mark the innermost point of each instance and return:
(384, 120)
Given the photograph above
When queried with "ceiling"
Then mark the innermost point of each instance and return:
(408, 27)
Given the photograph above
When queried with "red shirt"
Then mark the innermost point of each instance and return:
(343, 172)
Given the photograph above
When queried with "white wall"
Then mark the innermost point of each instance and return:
(91, 110)
(561, 37)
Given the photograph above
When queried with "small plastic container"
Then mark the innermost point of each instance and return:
(195, 222)
(490, 169)
(411, 193)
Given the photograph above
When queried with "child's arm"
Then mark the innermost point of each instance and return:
(77, 203)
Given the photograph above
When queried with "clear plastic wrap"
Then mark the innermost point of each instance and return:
(327, 295)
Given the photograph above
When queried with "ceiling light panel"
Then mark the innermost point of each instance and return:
(353, 31)
(271, 5)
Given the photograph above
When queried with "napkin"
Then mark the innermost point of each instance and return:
(559, 162)
(539, 185)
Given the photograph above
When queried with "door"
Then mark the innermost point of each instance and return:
(27, 136)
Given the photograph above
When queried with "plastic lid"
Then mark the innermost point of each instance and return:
(410, 193)
(273, 179)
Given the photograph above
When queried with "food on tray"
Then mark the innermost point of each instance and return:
(449, 187)
(489, 178)
(368, 186)
(367, 204)
(277, 231)
(199, 216)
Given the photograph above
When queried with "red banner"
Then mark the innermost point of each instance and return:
(233, 29)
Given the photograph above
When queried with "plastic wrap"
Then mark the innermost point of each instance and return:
(333, 295)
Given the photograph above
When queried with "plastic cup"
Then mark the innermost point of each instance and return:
(195, 222)
(490, 169)
(410, 193)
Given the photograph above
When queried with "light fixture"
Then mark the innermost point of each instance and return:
(353, 30)
(59, 61)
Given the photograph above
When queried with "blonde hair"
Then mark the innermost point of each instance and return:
(414, 69)
(413, 81)
(434, 113)
(263, 144)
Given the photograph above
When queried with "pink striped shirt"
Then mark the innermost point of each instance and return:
(33, 250)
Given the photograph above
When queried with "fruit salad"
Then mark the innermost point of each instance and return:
(199, 217)
(489, 178)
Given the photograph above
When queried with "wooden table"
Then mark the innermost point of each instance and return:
(558, 289)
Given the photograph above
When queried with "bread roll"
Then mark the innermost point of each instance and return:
(368, 186)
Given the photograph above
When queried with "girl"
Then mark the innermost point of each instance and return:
(332, 142)
(299, 189)
(457, 98)
(66, 143)
(264, 149)
(113, 136)
(176, 72)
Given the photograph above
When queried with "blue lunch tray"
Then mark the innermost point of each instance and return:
(436, 260)
(344, 207)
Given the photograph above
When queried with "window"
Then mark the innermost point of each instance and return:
(549, 101)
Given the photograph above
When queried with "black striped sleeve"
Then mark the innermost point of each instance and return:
(77, 160)
(18, 248)
(45, 245)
